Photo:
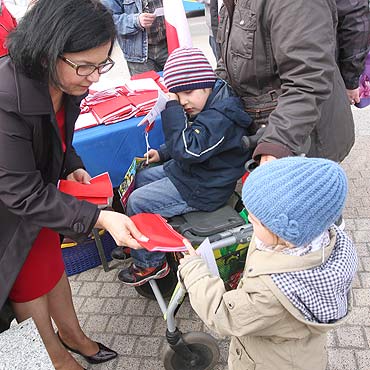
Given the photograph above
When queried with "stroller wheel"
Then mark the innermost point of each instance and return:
(202, 344)
(166, 286)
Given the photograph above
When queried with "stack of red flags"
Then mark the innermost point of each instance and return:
(134, 99)
(99, 191)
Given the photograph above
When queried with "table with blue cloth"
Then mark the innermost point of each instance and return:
(111, 148)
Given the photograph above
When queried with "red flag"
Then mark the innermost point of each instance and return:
(177, 27)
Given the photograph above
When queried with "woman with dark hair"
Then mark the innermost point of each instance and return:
(57, 51)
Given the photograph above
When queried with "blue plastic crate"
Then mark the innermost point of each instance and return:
(85, 256)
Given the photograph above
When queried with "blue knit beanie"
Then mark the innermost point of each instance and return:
(188, 69)
(296, 198)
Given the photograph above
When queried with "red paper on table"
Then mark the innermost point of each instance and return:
(113, 109)
(151, 74)
(162, 237)
(147, 98)
(98, 191)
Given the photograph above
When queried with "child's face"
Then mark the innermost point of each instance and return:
(193, 101)
(262, 232)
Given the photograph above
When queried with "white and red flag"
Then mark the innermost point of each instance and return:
(177, 27)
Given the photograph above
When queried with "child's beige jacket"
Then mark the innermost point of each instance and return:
(268, 332)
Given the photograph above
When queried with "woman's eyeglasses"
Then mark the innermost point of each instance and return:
(88, 69)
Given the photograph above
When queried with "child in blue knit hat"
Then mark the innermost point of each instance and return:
(202, 157)
(298, 273)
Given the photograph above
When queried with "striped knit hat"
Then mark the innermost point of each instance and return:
(188, 69)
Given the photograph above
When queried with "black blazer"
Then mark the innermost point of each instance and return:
(31, 163)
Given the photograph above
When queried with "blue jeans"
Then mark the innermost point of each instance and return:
(154, 193)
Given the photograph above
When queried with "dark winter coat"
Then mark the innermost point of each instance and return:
(353, 36)
(207, 159)
(279, 57)
(31, 163)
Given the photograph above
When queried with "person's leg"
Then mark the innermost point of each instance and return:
(215, 46)
(137, 68)
(64, 315)
(160, 197)
(148, 175)
(38, 309)
(159, 54)
(143, 177)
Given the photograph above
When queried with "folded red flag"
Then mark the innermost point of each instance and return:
(99, 191)
(162, 237)
(119, 105)
(151, 74)
(148, 74)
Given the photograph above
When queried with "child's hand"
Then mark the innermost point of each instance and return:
(152, 155)
(173, 96)
(191, 251)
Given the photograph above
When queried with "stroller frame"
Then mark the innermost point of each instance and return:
(194, 350)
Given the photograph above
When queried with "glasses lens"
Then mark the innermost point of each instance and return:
(104, 68)
(85, 69)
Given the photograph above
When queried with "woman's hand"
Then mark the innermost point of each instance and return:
(122, 229)
(191, 251)
(152, 155)
(79, 175)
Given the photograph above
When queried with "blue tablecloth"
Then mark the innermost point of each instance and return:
(112, 148)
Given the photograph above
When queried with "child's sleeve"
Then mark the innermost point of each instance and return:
(238, 312)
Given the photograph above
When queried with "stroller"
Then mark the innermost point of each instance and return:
(229, 234)
(198, 350)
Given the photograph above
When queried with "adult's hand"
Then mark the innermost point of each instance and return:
(152, 155)
(266, 158)
(146, 19)
(122, 229)
(79, 175)
(353, 96)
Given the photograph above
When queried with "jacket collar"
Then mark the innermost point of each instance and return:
(34, 97)
(266, 263)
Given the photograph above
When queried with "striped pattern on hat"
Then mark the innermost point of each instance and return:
(188, 69)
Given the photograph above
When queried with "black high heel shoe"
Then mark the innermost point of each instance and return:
(104, 354)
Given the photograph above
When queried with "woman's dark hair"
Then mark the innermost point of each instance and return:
(53, 27)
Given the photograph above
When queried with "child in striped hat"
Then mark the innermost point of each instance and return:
(203, 124)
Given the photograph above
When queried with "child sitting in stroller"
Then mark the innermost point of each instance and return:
(203, 124)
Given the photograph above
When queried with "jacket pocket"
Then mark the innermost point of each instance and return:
(129, 7)
(238, 357)
(244, 30)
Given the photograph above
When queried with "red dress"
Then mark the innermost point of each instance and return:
(44, 265)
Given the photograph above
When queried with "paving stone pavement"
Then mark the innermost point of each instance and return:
(119, 317)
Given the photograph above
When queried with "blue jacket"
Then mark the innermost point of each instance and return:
(206, 155)
(132, 38)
